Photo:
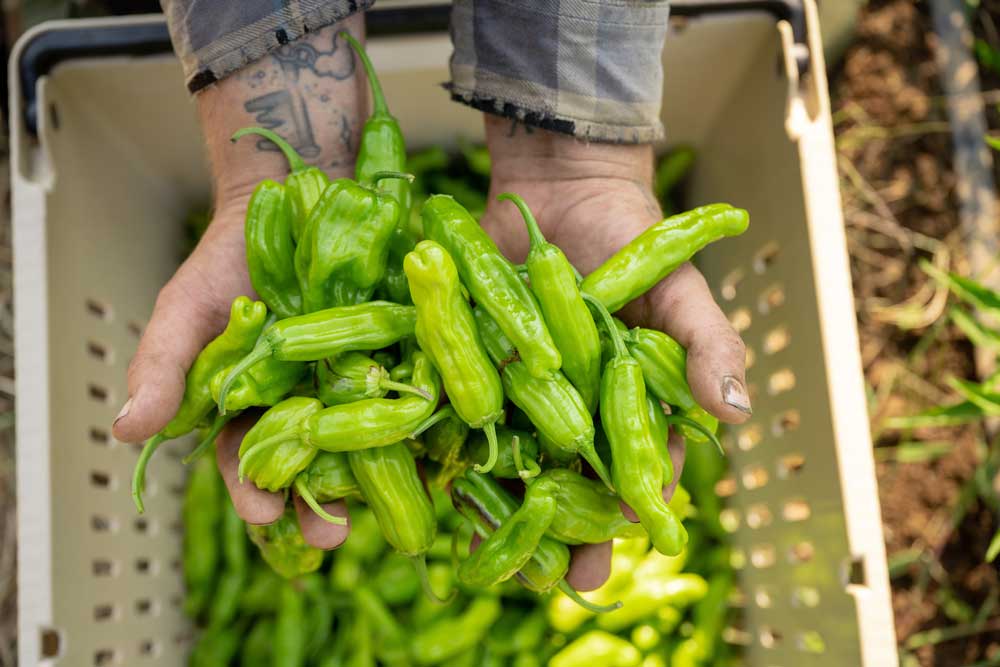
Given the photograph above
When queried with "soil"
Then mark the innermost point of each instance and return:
(898, 185)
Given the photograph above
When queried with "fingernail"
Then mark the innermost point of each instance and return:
(735, 394)
(123, 412)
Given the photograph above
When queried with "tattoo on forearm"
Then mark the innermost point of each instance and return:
(286, 111)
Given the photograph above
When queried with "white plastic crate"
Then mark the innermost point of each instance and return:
(99, 193)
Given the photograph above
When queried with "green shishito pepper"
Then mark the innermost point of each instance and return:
(269, 458)
(283, 548)
(262, 385)
(246, 319)
(326, 479)
(201, 511)
(586, 512)
(506, 467)
(304, 185)
(353, 376)
(552, 404)
(344, 248)
(554, 284)
(487, 505)
(445, 440)
(446, 331)
(290, 628)
(453, 636)
(597, 648)
(492, 281)
(326, 333)
(271, 249)
(637, 465)
(390, 483)
(664, 369)
(650, 257)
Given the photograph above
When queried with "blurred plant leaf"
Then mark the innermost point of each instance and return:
(914, 451)
(901, 561)
(964, 288)
(988, 401)
(979, 334)
(987, 56)
(994, 549)
(940, 415)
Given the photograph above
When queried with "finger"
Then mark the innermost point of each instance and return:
(590, 567)
(190, 310)
(675, 446)
(255, 506)
(319, 532)
(682, 306)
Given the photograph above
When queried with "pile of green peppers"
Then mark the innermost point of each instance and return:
(362, 606)
(394, 347)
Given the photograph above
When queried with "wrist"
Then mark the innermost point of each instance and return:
(520, 152)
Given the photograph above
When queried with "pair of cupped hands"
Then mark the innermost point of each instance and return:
(590, 199)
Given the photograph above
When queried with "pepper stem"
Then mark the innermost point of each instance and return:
(261, 351)
(139, 474)
(303, 490)
(218, 424)
(379, 107)
(491, 438)
(256, 448)
(420, 565)
(439, 416)
(589, 454)
(681, 420)
(535, 235)
(587, 604)
(381, 175)
(609, 324)
(523, 471)
(380, 378)
(295, 161)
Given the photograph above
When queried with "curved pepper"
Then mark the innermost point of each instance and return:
(551, 403)
(246, 319)
(597, 648)
(258, 649)
(649, 594)
(447, 332)
(343, 250)
(382, 147)
(450, 637)
(554, 284)
(327, 478)
(587, 513)
(267, 456)
(652, 255)
(327, 333)
(262, 385)
(664, 369)
(636, 460)
(283, 548)
(390, 640)
(392, 487)
(353, 376)
(492, 281)
(201, 514)
(304, 185)
(290, 628)
(395, 580)
(506, 467)
(270, 249)
(501, 555)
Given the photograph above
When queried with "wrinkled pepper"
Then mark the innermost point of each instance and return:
(597, 648)
(201, 512)
(445, 441)
(637, 465)
(554, 284)
(290, 628)
(327, 478)
(327, 333)
(270, 249)
(652, 255)
(587, 513)
(352, 376)
(506, 467)
(246, 319)
(446, 331)
(453, 636)
(267, 456)
(492, 282)
(283, 548)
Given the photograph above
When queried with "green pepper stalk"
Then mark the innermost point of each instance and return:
(283, 547)
(327, 478)
(554, 284)
(208, 440)
(446, 331)
(636, 463)
(304, 185)
(492, 282)
(326, 333)
(653, 255)
(664, 369)
(554, 406)
(391, 485)
(353, 376)
(270, 249)
(344, 248)
(382, 146)
(246, 319)
(518, 453)
(269, 455)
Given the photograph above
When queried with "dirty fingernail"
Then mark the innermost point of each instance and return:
(735, 394)
(124, 411)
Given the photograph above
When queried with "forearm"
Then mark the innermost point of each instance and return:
(308, 91)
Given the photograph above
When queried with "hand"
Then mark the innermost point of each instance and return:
(193, 307)
(590, 200)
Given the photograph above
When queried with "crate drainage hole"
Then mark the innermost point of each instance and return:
(787, 421)
(49, 642)
(771, 298)
(758, 516)
(98, 393)
(765, 257)
(805, 596)
(102, 567)
(143, 606)
(101, 480)
(749, 437)
(762, 556)
(769, 637)
(147, 647)
(99, 436)
(104, 612)
(104, 657)
(730, 283)
(802, 552)
(97, 351)
(796, 510)
(740, 319)
(98, 309)
(776, 340)
(101, 524)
